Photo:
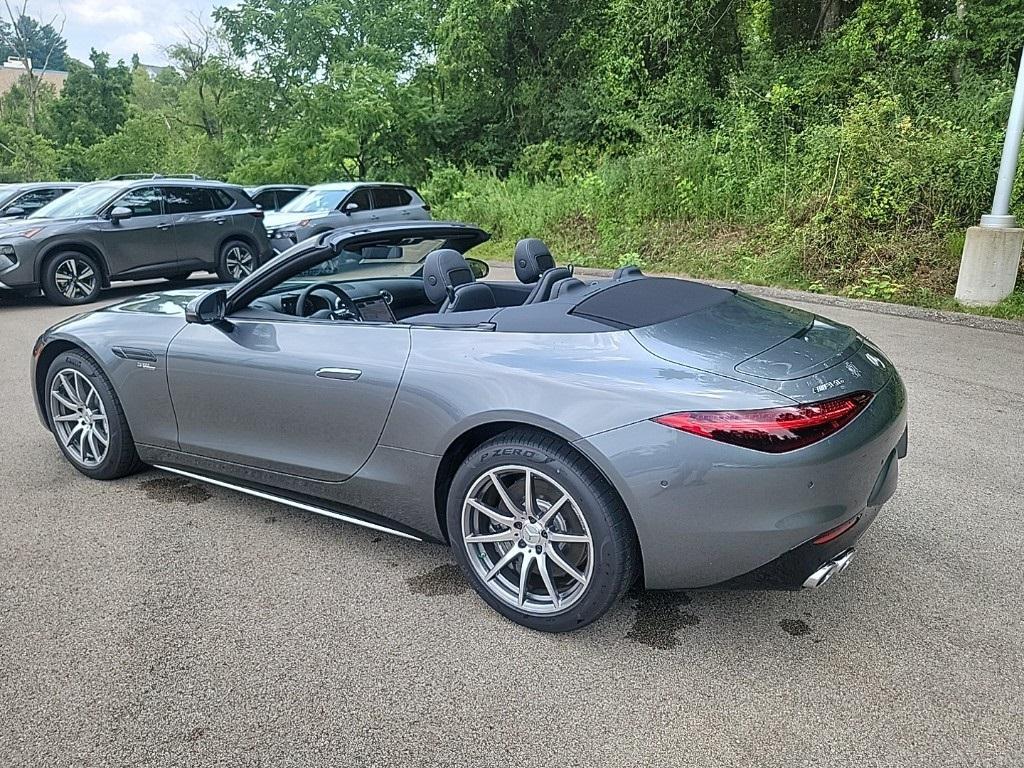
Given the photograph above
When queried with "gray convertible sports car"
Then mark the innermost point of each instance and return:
(566, 437)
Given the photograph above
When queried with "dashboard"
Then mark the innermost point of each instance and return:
(384, 300)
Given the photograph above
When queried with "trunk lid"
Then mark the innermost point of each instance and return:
(784, 349)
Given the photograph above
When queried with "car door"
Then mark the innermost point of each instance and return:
(363, 212)
(199, 225)
(392, 204)
(298, 396)
(145, 241)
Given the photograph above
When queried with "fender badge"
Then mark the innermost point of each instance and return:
(145, 366)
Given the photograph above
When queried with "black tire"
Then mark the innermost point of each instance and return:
(120, 458)
(71, 278)
(237, 260)
(616, 557)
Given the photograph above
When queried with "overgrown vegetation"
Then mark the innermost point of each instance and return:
(835, 145)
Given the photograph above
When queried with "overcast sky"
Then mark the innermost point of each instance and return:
(120, 27)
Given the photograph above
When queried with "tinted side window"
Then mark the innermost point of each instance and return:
(221, 199)
(360, 197)
(142, 202)
(284, 195)
(36, 199)
(187, 200)
(265, 200)
(390, 197)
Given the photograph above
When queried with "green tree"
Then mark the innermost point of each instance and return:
(26, 38)
(94, 102)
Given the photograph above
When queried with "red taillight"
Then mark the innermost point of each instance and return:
(774, 430)
(257, 213)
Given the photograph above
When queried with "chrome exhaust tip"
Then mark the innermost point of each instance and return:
(826, 571)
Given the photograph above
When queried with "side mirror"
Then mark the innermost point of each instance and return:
(120, 213)
(350, 207)
(208, 308)
(14, 210)
(480, 269)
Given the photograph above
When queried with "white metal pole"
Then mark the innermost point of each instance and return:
(1001, 217)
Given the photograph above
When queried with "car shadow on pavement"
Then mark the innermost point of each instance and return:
(117, 292)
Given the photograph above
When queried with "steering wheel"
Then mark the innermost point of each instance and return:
(344, 307)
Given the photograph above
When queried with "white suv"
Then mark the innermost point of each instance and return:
(329, 206)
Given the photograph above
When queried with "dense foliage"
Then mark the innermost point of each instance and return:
(840, 145)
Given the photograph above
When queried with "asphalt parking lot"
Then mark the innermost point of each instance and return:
(154, 621)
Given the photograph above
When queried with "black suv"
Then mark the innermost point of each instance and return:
(132, 230)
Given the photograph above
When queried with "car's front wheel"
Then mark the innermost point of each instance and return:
(539, 532)
(237, 260)
(86, 418)
(71, 278)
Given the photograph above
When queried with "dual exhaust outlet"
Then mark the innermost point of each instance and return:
(827, 570)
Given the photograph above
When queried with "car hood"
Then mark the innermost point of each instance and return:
(172, 302)
(282, 219)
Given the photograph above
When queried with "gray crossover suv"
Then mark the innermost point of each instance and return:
(329, 206)
(132, 230)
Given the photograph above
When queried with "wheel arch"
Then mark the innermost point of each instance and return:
(475, 436)
(75, 246)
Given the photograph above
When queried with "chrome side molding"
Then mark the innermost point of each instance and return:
(288, 502)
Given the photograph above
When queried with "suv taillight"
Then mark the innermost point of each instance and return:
(774, 430)
(258, 213)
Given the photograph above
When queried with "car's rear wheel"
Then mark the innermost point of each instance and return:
(86, 418)
(71, 278)
(541, 535)
(237, 260)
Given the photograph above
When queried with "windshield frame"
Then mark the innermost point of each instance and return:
(68, 200)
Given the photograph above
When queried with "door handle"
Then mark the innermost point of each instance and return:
(341, 374)
(163, 225)
(219, 219)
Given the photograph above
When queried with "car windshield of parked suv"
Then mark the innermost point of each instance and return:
(78, 202)
(316, 200)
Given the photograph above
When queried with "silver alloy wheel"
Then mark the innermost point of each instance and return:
(79, 417)
(527, 540)
(75, 278)
(239, 261)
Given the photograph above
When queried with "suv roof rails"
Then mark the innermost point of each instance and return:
(130, 176)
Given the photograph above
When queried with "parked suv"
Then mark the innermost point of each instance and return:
(132, 230)
(19, 200)
(330, 206)
(270, 197)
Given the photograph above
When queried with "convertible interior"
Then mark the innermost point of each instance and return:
(428, 282)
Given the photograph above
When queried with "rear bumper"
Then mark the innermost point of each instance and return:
(710, 514)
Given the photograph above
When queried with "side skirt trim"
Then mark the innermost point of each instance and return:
(289, 502)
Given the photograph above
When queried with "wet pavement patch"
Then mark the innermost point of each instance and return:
(795, 627)
(174, 489)
(658, 618)
(444, 580)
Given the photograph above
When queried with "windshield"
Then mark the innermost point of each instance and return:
(369, 262)
(83, 201)
(316, 200)
(7, 191)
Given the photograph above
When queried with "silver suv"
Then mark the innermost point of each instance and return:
(329, 206)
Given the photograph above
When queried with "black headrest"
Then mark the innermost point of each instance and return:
(532, 259)
(444, 269)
